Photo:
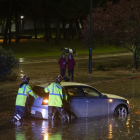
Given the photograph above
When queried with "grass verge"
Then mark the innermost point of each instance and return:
(40, 48)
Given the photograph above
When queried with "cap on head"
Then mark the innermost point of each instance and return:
(25, 78)
(59, 78)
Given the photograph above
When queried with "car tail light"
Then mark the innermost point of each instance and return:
(45, 102)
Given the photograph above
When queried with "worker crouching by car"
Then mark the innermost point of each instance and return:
(56, 99)
(65, 79)
(21, 99)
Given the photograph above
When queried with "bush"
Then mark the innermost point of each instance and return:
(99, 66)
(7, 63)
(129, 66)
(113, 65)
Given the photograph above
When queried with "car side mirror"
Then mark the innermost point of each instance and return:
(104, 96)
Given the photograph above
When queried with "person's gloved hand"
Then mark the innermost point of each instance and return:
(40, 97)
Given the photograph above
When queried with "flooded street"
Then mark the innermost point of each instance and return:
(123, 83)
(96, 128)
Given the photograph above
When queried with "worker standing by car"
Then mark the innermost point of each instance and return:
(62, 63)
(55, 99)
(21, 99)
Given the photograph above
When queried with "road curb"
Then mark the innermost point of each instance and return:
(115, 80)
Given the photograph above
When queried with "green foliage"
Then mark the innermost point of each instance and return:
(133, 70)
(113, 65)
(129, 66)
(7, 63)
(138, 55)
(116, 23)
(99, 67)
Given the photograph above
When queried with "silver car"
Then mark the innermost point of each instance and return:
(83, 101)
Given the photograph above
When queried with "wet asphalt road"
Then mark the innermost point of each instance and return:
(96, 128)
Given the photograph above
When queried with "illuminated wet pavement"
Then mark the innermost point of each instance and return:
(100, 128)
(96, 128)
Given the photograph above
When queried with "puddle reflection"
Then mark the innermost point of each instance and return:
(110, 131)
(21, 60)
(21, 73)
(102, 128)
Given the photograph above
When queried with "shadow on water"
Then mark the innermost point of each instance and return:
(102, 128)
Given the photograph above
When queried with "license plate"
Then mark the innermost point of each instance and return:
(32, 111)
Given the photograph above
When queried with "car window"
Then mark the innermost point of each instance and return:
(73, 91)
(39, 91)
(64, 90)
(90, 92)
(64, 93)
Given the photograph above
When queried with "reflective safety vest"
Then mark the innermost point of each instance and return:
(55, 94)
(23, 93)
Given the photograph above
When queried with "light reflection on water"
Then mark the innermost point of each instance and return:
(110, 131)
(21, 72)
(88, 128)
(128, 125)
(102, 128)
(21, 60)
(46, 136)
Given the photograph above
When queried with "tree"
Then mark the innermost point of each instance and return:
(8, 21)
(118, 23)
(6, 18)
(7, 63)
(31, 9)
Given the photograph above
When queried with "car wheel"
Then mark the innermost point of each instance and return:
(121, 110)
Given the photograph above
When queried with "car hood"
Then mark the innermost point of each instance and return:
(114, 96)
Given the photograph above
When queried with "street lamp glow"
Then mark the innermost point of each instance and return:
(21, 17)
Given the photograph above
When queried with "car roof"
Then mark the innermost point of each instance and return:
(65, 84)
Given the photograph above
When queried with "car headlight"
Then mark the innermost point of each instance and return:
(110, 100)
(127, 102)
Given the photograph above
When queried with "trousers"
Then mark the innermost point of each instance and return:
(63, 71)
(71, 74)
(52, 110)
(19, 112)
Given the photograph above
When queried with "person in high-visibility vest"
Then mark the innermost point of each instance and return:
(55, 99)
(21, 99)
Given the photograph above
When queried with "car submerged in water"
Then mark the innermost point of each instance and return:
(83, 101)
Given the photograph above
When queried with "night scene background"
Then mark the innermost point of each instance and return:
(106, 37)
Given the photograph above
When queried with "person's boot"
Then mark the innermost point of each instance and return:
(50, 118)
(63, 116)
(68, 117)
(13, 120)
